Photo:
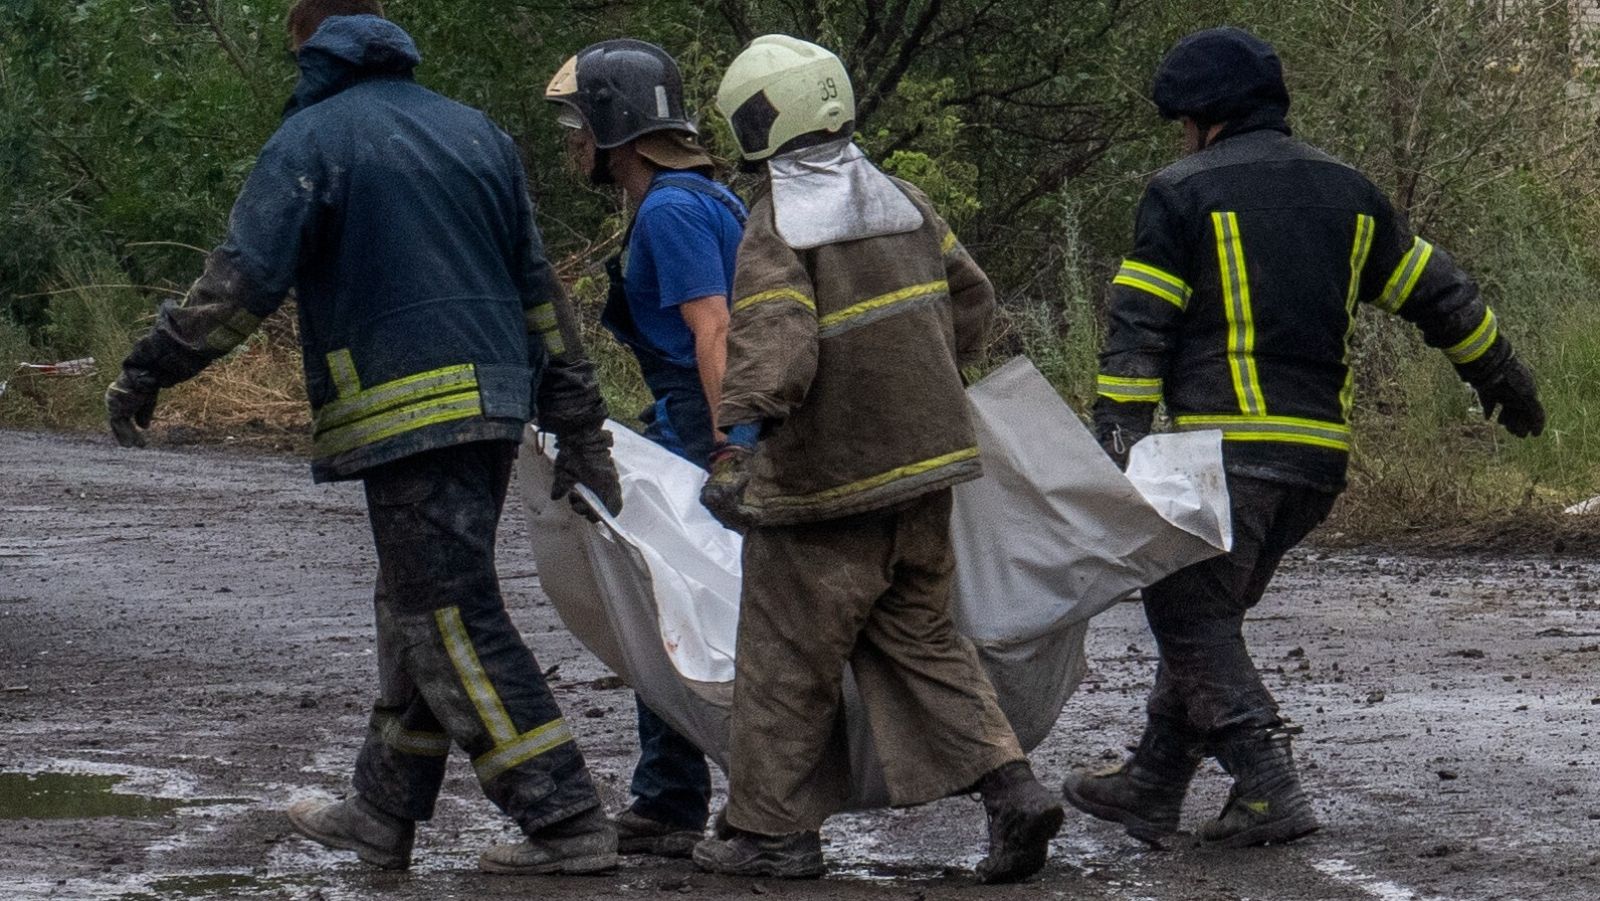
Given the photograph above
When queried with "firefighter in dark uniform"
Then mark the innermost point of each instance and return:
(433, 330)
(1236, 309)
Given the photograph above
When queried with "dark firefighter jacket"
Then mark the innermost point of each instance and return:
(428, 313)
(849, 354)
(1237, 305)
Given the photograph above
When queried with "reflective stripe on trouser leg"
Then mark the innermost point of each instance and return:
(402, 762)
(434, 518)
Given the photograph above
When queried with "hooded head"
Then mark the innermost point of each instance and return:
(345, 49)
(1221, 75)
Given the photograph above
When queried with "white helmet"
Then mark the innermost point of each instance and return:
(781, 88)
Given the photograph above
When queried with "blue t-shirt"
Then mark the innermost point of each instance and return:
(683, 248)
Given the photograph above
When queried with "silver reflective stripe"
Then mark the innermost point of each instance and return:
(1476, 344)
(407, 741)
(1291, 430)
(522, 749)
(1241, 319)
(411, 389)
(881, 307)
(1125, 389)
(458, 645)
(1405, 277)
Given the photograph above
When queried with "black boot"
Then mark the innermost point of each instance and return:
(1023, 817)
(1267, 804)
(1145, 794)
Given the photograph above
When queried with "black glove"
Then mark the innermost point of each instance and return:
(585, 458)
(1513, 391)
(130, 402)
(1117, 442)
(724, 491)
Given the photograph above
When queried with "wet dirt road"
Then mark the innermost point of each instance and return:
(185, 648)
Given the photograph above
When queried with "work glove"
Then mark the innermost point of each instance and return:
(130, 403)
(1117, 442)
(724, 491)
(585, 458)
(1513, 391)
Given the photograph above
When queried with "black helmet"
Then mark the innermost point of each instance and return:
(1219, 75)
(622, 89)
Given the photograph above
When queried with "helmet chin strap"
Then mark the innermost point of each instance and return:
(600, 172)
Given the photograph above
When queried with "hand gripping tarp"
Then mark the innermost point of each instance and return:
(1050, 536)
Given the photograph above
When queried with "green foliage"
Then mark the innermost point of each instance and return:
(127, 127)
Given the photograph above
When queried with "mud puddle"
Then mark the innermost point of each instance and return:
(82, 796)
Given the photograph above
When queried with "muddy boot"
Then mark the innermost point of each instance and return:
(797, 855)
(1023, 817)
(1266, 805)
(582, 844)
(378, 838)
(1145, 793)
(638, 834)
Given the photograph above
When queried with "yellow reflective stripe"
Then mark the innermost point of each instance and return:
(834, 323)
(1360, 249)
(1241, 321)
(379, 398)
(407, 741)
(949, 242)
(877, 481)
(458, 645)
(522, 749)
(343, 369)
(1147, 278)
(1287, 429)
(1404, 279)
(376, 428)
(232, 333)
(1476, 344)
(554, 344)
(1125, 389)
(776, 294)
(541, 318)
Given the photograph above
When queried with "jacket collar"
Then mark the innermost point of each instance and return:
(1267, 118)
(348, 49)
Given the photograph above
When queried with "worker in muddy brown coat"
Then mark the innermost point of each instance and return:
(1235, 309)
(433, 329)
(854, 307)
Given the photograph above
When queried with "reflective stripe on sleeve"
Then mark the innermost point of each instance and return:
(1130, 390)
(872, 482)
(1285, 429)
(232, 333)
(542, 320)
(1405, 276)
(1149, 279)
(773, 296)
(949, 243)
(1476, 344)
(1241, 320)
(342, 367)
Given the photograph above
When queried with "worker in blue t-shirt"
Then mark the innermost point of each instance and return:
(623, 101)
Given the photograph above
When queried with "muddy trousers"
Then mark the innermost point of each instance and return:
(452, 669)
(872, 593)
(1206, 682)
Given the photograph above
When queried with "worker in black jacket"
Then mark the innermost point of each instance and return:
(1235, 310)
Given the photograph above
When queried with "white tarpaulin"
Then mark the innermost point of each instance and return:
(1050, 536)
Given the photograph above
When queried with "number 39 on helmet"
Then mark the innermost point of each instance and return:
(782, 93)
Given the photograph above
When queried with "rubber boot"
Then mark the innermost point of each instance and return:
(1145, 793)
(578, 845)
(379, 838)
(1267, 804)
(1023, 817)
(639, 834)
(734, 852)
